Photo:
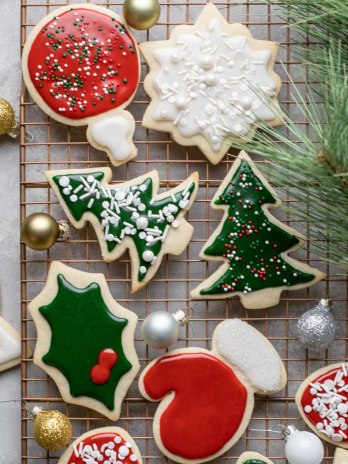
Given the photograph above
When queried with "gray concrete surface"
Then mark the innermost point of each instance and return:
(10, 81)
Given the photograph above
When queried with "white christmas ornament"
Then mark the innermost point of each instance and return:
(302, 447)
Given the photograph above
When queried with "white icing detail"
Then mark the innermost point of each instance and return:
(64, 181)
(210, 71)
(148, 256)
(142, 222)
(10, 347)
(113, 133)
(123, 451)
(251, 353)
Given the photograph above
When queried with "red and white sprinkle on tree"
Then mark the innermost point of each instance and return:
(81, 66)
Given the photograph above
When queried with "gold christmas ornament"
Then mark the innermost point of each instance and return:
(52, 429)
(40, 231)
(8, 123)
(141, 14)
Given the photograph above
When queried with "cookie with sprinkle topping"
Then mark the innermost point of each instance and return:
(129, 215)
(81, 66)
(252, 243)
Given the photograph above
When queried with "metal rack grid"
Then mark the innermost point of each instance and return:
(56, 146)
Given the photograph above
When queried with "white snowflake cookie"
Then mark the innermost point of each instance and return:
(204, 81)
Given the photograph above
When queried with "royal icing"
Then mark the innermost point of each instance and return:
(103, 448)
(83, 63)
(206, 78)
(127, 212)
(10, 344)
(252, 244)
(208, 397)
(85, 339)
(324, 403)
(249, 351)
(114, 133)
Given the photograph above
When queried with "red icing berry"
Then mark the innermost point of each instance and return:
(207, 408)
(83, 63)
(100, 373)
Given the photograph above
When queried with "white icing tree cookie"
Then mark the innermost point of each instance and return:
(322, 400)
(207, 397)
(106, 445)
(10, 346)
(340, 457)
(85, 339)
(129, 215)
(250, 457)
(252, 244)
(81, 66)
(202, 83)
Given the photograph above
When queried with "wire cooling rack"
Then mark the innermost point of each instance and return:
(55, 146)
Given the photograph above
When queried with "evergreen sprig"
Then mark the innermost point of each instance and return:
(313, 165)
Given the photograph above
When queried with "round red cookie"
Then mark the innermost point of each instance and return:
(322, 400)
(80, 62)
(104, 445)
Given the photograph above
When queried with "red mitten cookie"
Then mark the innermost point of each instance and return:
(81, 66)
(207, 397)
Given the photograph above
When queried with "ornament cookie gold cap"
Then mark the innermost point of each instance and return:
(40, 231)
(141, 14)
(8, 123)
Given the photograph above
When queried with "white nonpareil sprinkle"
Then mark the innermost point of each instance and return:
(110, 452)
(330, 405)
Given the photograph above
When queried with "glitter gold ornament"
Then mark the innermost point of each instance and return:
(40, 231)
(316, 328)
(8, 123)
(141, 14)
(52, 429)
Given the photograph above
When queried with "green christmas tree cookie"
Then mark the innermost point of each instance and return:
(128, 216)
(253, 244)
(85, 340)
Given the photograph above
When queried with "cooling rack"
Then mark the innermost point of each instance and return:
(55, 146)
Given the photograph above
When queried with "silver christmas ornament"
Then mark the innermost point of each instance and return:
(160, 329)
(316, 328)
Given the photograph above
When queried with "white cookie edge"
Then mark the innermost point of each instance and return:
(176, 240)
(80, 279)
(64, 459)
(259, 299)
(298, 397)
(202, 21)
(252, 455)
(340, 456)
(15, 335)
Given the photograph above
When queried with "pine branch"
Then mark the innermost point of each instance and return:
(314, 169)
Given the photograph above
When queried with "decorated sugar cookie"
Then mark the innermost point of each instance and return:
(341, 456)
(85, 340)
(106, 445)
(10, 346)
(207, 397)
(250, 457)
(322, 400)
(203, 80)
(129, 215)
(252, 243)
(81, 66)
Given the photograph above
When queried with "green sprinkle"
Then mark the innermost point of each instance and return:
(125, 80)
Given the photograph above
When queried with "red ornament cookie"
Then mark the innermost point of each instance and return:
(81, 66)
(207, 397)
(322, 400)
(105, 445)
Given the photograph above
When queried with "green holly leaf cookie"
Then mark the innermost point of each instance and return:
(85, 339)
